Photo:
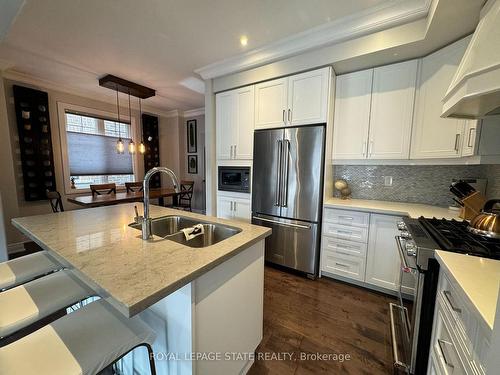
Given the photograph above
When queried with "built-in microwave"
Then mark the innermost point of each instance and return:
(234, 179)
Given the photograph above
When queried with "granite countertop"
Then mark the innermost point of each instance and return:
(99, 244)
(413, 210)
(479, 279)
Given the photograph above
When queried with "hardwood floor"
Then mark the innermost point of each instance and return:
(324, 316)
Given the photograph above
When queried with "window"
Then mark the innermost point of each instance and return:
(90, 141)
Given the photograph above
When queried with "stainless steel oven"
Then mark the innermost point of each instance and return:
(234, 179)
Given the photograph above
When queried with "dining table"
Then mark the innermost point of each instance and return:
(123, 197)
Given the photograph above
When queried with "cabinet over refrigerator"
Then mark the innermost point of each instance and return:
(287, 193)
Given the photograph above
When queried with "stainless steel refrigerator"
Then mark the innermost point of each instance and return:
(287, 193)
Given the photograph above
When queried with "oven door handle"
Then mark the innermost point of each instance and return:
(401, 254)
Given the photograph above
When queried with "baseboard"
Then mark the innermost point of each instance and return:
(15, 247)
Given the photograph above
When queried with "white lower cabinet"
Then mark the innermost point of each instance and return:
(460, 339)
(363, 248)
(234, 206)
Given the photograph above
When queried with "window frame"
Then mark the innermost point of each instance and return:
(62, 108)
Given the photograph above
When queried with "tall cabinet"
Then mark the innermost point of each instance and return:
(374, 112)
(434, 136)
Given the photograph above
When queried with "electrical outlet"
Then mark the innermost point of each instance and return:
(387, 180)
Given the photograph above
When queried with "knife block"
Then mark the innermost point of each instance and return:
(472, 205)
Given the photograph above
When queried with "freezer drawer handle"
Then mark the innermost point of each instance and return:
(284, 224)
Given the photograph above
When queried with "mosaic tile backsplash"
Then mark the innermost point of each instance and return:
(415, 184)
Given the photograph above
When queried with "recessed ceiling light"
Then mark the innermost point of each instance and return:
(243, 40)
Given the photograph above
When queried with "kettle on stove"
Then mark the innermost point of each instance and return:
(487, 222)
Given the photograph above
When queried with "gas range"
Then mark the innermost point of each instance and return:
(425, 235)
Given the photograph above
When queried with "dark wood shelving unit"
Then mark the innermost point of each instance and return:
(151, 141)
(35, 142)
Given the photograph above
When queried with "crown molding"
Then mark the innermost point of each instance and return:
(87, 94)
(391, 14)
(194, 112)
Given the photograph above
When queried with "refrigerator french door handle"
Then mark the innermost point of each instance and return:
(278, 174)
(284, 183)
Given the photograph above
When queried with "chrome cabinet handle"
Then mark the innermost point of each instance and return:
(363, 150)
(342, 265)
(443, 347)
(278, 175)
(234, 205)
(234, 152)
(470, 137)
(231, 153)
(289, 116)
(343, 253)
(451, 301)
(370, 148)
(284, 122)
(231, 203)
(457, 142)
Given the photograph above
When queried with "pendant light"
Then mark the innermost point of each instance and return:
(131, 145)
(142, 146)
(120, 147)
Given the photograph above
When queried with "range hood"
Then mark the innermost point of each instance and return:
(475, 89)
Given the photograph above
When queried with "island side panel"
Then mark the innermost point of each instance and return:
(228, 312)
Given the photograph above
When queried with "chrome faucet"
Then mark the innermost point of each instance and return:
(146, 220)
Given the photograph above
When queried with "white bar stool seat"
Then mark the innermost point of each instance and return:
(83, 342)
(28, 303)
(18, 271)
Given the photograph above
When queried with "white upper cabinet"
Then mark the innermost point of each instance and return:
(244, 102)
(234, 123)
(352, 115)
(300, 99)
(433, 136)
(224, 119)
(308, 97)
(271, 103)
(391, 114)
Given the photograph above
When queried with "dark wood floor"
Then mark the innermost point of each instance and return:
(323, 316)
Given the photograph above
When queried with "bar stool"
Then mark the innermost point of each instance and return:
(21, 270)
(84, 342)
(25, 307)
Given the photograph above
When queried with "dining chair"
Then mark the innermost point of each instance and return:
(185, 197)
(55, 201)
(134, 187)
(100, 189)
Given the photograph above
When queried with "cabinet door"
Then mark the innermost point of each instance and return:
(383, 262)
(242, 209)
(352, 115)
(308, 97)
(271, 103)
(470, 138)
(391, 114)
(224, 207)
(224, 120)
(244, 113)
(433, 136)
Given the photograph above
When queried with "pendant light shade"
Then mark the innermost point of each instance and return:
(131, 145)
(142, 146)
(120, 147)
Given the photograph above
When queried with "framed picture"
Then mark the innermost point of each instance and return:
(193, 164)
(191, 137)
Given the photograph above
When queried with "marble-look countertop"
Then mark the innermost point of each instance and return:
(136, 274)
(479, 279)
(413, 210)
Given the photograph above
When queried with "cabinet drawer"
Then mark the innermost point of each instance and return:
(343, 247)
(346, 217)
(346, 232)
(343, 265)
(455, 308)
(448, 357)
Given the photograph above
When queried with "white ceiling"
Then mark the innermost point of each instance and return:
(158, 43)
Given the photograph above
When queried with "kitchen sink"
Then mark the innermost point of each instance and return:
(169, 227)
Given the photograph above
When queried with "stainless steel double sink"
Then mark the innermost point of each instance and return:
(169, 227)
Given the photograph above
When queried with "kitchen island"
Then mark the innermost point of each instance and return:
(199, 301)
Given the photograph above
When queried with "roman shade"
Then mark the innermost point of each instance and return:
(95, 155)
